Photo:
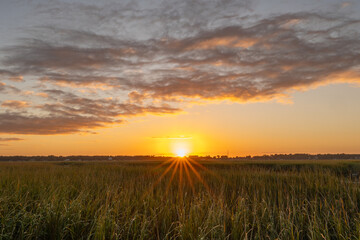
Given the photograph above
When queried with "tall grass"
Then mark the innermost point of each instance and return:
(126, 200)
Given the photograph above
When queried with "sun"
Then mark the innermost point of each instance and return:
(181, 152)
(180, 147)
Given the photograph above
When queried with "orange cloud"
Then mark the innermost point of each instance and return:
(232, 41)
(15, 104)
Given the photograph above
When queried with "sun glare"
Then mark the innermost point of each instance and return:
(181, 152)
(181, 147)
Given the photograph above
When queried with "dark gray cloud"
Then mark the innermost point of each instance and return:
(263, 60)
(71, 105)
(64, 120)
(70, 114)
(14, 123)
(37, 56)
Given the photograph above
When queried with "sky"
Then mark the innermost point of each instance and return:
(206, 77)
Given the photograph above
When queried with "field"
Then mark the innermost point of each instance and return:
(149, 200)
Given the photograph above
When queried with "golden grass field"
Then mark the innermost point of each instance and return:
(180, 199)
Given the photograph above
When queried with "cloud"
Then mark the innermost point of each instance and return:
(138, 19)
(67, 120)
(36, 56)
(10, 139)
(2, 140)
(245, 63)
(14, 104)
(71, 113)
(13, 123)
(187, 52)
(10, 75)
(8, 89)
(108, 107)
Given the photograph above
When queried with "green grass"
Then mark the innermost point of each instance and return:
(126, 200)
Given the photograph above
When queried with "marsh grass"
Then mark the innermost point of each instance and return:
(121, 200)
